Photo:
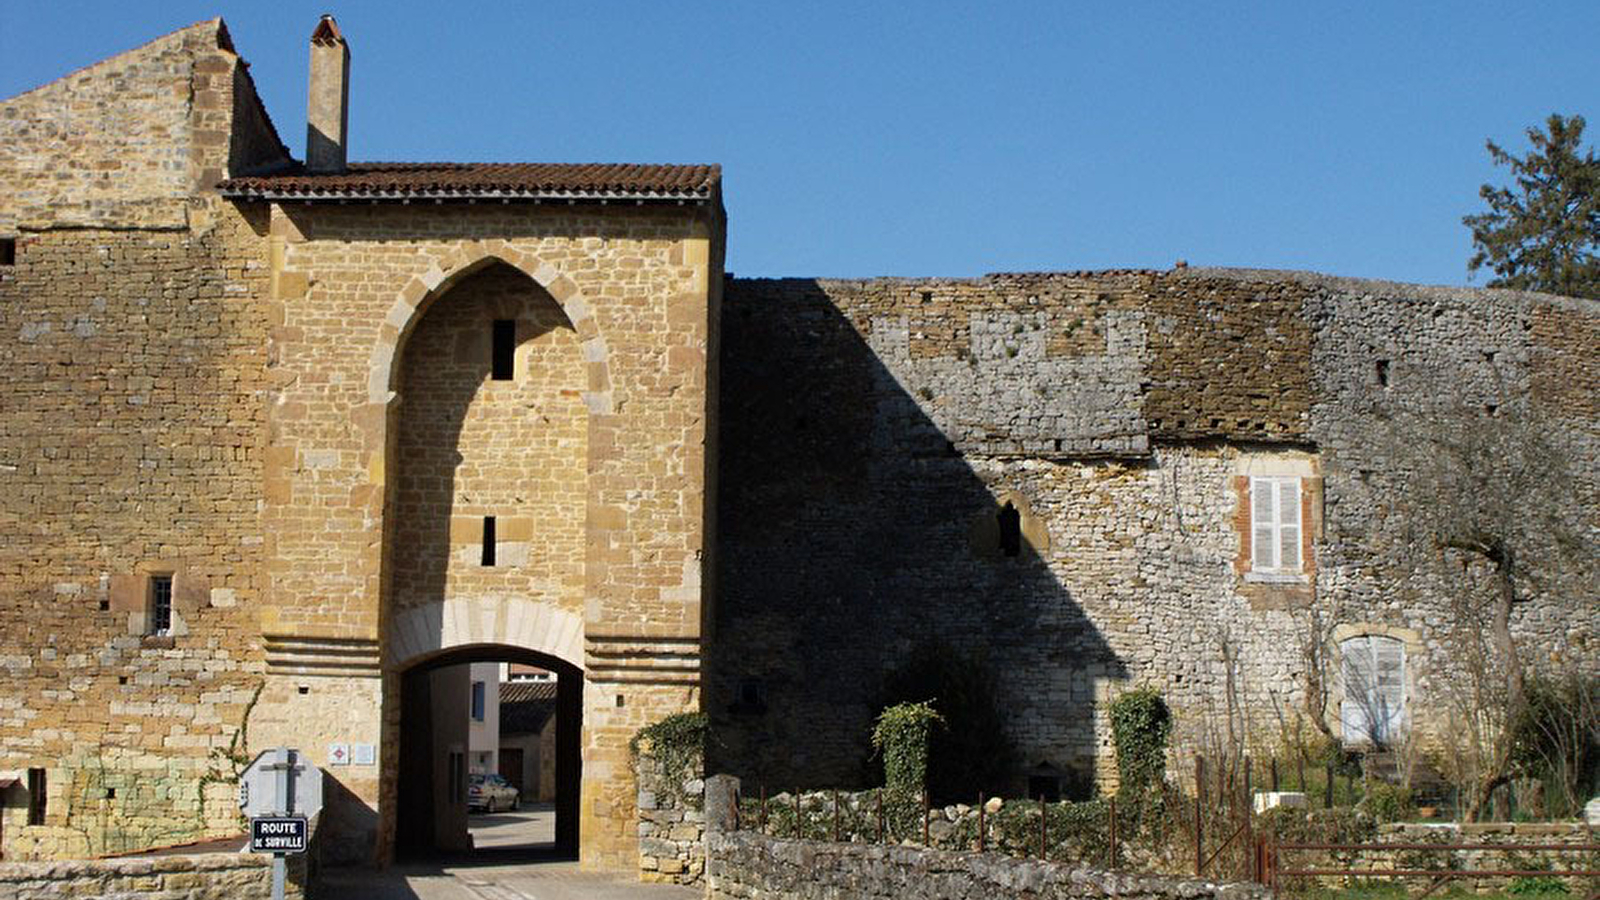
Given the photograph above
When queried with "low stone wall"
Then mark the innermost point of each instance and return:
(671, 821)
(201, 876)
(745, 864)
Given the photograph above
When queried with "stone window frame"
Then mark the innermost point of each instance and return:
(1278, 466)
(984, 533)
(1410, 646)
(133, 595)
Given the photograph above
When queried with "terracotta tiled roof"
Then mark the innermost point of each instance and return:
(376, 181)
(526, 705)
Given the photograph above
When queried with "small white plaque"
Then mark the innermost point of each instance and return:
(364, 754)
(338, 754)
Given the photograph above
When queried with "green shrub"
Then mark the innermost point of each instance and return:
(901, 737)
(972, 752)
(1387, 802)
(1140, 726)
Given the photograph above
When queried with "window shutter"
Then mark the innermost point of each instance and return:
(1389, 656)
(1289, 523)
(1355, 710)
(1263, 554)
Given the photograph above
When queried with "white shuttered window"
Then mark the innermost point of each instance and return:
(1275, 525)
(1373, 710)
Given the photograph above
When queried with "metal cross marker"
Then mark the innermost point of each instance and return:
(286, 792)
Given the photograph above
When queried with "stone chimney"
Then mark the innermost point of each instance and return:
(328, 104)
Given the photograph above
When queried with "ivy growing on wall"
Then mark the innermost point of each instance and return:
(677, 744)
(901, 736)
(1140, 726)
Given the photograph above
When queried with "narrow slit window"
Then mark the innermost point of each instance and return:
(488, 540)
(36, 796)
(160, 604)
(1383, 373)
(505, 346)
(8, 251)
(1010, 530)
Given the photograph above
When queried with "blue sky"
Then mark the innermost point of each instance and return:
(863, 139)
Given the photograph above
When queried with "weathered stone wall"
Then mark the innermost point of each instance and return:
(743, 864)
(672, 822)
(208, 876)
(130, 443)
(124, 143)
(889, 421)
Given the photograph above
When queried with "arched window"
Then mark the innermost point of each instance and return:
(1374, 675)
(1010, 529)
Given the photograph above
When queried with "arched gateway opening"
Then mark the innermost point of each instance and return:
(484, 559)
(450, 703)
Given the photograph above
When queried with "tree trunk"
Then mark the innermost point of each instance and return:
(1498, 772)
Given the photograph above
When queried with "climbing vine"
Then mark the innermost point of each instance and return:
(1140, 726)
(236, 757)
(901, 735)
(677, 744)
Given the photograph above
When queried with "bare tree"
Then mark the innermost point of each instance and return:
(1496, 516)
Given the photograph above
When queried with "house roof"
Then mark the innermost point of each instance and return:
(526, 705)
(586, 182)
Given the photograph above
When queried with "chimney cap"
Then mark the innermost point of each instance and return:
(327, 31)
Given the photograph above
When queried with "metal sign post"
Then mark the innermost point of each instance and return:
(280, 792)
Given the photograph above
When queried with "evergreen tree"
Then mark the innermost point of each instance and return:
(1543, 233)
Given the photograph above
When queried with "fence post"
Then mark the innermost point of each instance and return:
(925, 817)
(763, 807)
(880, 815)
(1112, 814)
(1274, 774)
(1044, 834)
(1199, 792)
(799, 812)
(836, 815)
(1249, 819)
(980, 821)
(1327, 799)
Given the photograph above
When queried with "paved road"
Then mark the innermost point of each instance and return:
(494, 881)
(534, 823)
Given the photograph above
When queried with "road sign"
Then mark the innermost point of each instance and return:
(278, 834)
(263, 792)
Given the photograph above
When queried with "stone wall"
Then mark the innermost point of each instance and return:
(742, 865)
(877, 429)
(130, 444)
(124, 143)
(672, 821)
(209, 876)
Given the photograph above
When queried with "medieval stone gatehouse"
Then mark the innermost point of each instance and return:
(286, 444)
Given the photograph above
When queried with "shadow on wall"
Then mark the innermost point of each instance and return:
(852, 537)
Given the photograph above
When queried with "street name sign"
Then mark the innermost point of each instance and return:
(278, 834)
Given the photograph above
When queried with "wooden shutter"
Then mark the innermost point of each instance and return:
(1354, 711)
(1389, 661)
(1263, 552)
(1275, 526)
(1373, 710)
(1288, 523)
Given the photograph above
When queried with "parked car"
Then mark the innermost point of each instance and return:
(491, 793)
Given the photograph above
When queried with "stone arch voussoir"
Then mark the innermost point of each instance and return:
(427, 630)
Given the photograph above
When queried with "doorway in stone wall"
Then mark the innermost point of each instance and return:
(465, 715)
